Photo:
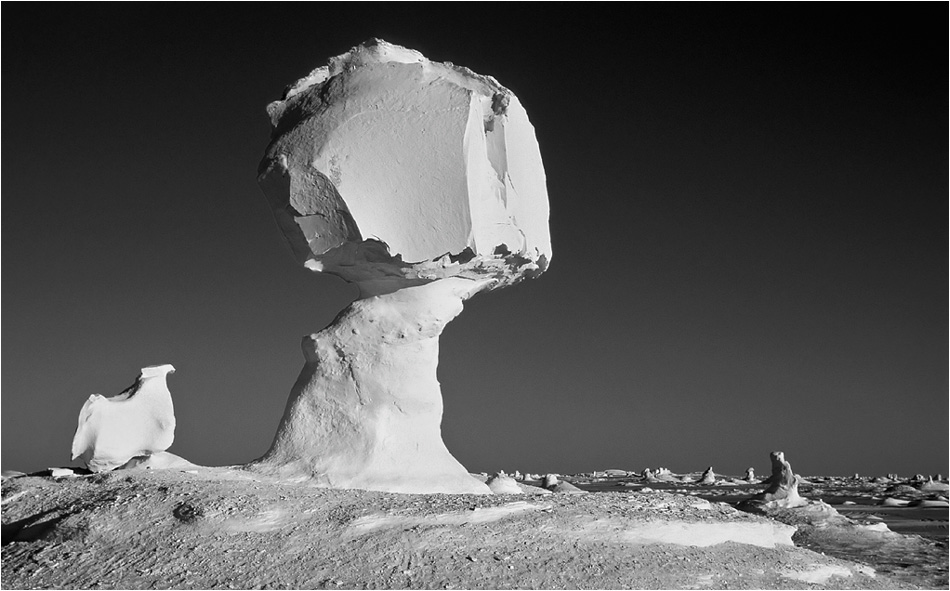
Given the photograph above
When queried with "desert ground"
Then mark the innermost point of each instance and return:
(229, 528)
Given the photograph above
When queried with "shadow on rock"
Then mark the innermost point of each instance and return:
(31, 528)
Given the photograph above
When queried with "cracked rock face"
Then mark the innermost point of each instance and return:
(389, 170)
(136, 423)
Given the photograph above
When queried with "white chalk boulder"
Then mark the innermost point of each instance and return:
(387, 168)
(140, 421)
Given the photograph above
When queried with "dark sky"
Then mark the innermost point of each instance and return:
(748, 212)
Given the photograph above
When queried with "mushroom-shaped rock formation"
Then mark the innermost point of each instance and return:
(422, 184)
(750, 475)
(138, 422)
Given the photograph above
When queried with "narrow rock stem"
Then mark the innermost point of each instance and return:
(366, 411)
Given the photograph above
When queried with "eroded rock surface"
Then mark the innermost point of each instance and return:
(386, 168)
(367, 407)
(138, 422)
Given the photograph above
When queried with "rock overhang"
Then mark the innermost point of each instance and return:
(387, 167)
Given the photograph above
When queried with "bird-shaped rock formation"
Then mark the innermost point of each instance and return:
(138, 422)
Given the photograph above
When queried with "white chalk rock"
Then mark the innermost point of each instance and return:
(422, 184)
(139, 421)
(567, 488)
(366, 411)
(162, 460)
(708, 477)
(502, 484)
(934, 486)
(386, 167)
(782, 491)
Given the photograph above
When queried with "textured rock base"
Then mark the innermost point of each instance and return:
(366, 411)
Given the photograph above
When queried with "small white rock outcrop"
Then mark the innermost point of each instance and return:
(567, 488)
(502, 484)
(934, 486)
(138, 422)
(422, 184)
(782, 491)
(708, 477)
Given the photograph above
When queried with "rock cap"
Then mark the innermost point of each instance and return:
(391, 170)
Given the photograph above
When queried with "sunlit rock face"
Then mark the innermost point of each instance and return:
(422, 184)
(388, 169)
(136, 423)
(366, 411)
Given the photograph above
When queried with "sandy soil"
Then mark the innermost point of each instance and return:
(221, 528)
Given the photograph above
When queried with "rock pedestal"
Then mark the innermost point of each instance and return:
(367, 407)
(422, 184)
